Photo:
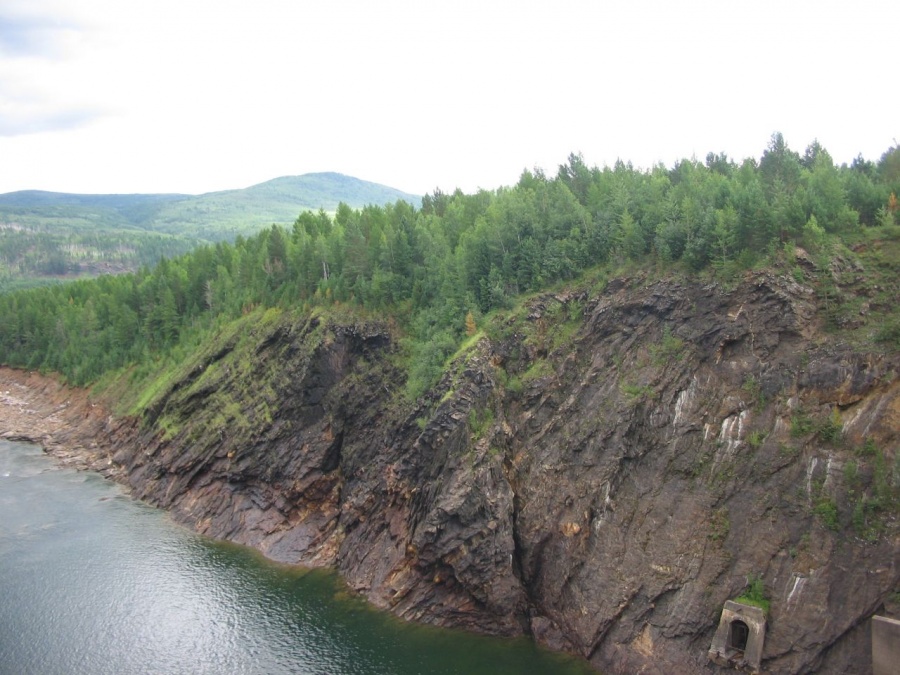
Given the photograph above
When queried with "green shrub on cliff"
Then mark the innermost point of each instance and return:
(754, 594)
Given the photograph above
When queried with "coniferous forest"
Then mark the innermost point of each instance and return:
(435, 269)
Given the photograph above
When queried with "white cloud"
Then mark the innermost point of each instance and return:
(28, 30)
(195, 95)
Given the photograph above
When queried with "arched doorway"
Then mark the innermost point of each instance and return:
(738, 635)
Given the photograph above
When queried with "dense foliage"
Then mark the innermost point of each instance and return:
(458, 256)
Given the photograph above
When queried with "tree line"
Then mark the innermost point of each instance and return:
(457, 255)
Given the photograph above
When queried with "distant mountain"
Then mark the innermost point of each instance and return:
(41, 199)
(325, 191)
(52, 235)
(211, 216)
(222, 215)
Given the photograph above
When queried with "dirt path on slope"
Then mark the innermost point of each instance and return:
(63, 420)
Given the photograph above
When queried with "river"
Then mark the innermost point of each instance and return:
(94, 582)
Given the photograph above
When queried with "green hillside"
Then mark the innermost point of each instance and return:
(440, 269)
(46, 236)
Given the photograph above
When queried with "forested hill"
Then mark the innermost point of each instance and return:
(45, 235)
(439, 268)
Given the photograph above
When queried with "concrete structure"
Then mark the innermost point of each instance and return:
(885, 646)
(738, 642)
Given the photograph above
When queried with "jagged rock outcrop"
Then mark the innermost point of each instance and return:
(603, 472)
(658, 478)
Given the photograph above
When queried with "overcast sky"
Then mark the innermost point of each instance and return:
(200, 95)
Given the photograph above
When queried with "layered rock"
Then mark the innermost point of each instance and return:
(603, 471)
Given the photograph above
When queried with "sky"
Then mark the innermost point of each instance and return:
(192, 96)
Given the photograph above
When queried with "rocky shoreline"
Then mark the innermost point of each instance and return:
(66, 422)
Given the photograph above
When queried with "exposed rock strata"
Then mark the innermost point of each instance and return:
(606, 492)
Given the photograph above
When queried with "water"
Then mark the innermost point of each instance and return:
(92, 582)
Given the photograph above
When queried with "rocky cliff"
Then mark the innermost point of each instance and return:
(601, 469)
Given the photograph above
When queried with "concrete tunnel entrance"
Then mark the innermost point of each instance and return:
(738, 642)
(739, 634)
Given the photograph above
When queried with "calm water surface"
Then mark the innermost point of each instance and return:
(92, 582)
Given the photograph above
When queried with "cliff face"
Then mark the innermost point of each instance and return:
(603, 472)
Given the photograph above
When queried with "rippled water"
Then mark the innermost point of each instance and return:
(92, 582)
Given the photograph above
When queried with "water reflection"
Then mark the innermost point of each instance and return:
(92, 582)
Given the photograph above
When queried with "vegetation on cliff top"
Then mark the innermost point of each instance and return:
(437, 270)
